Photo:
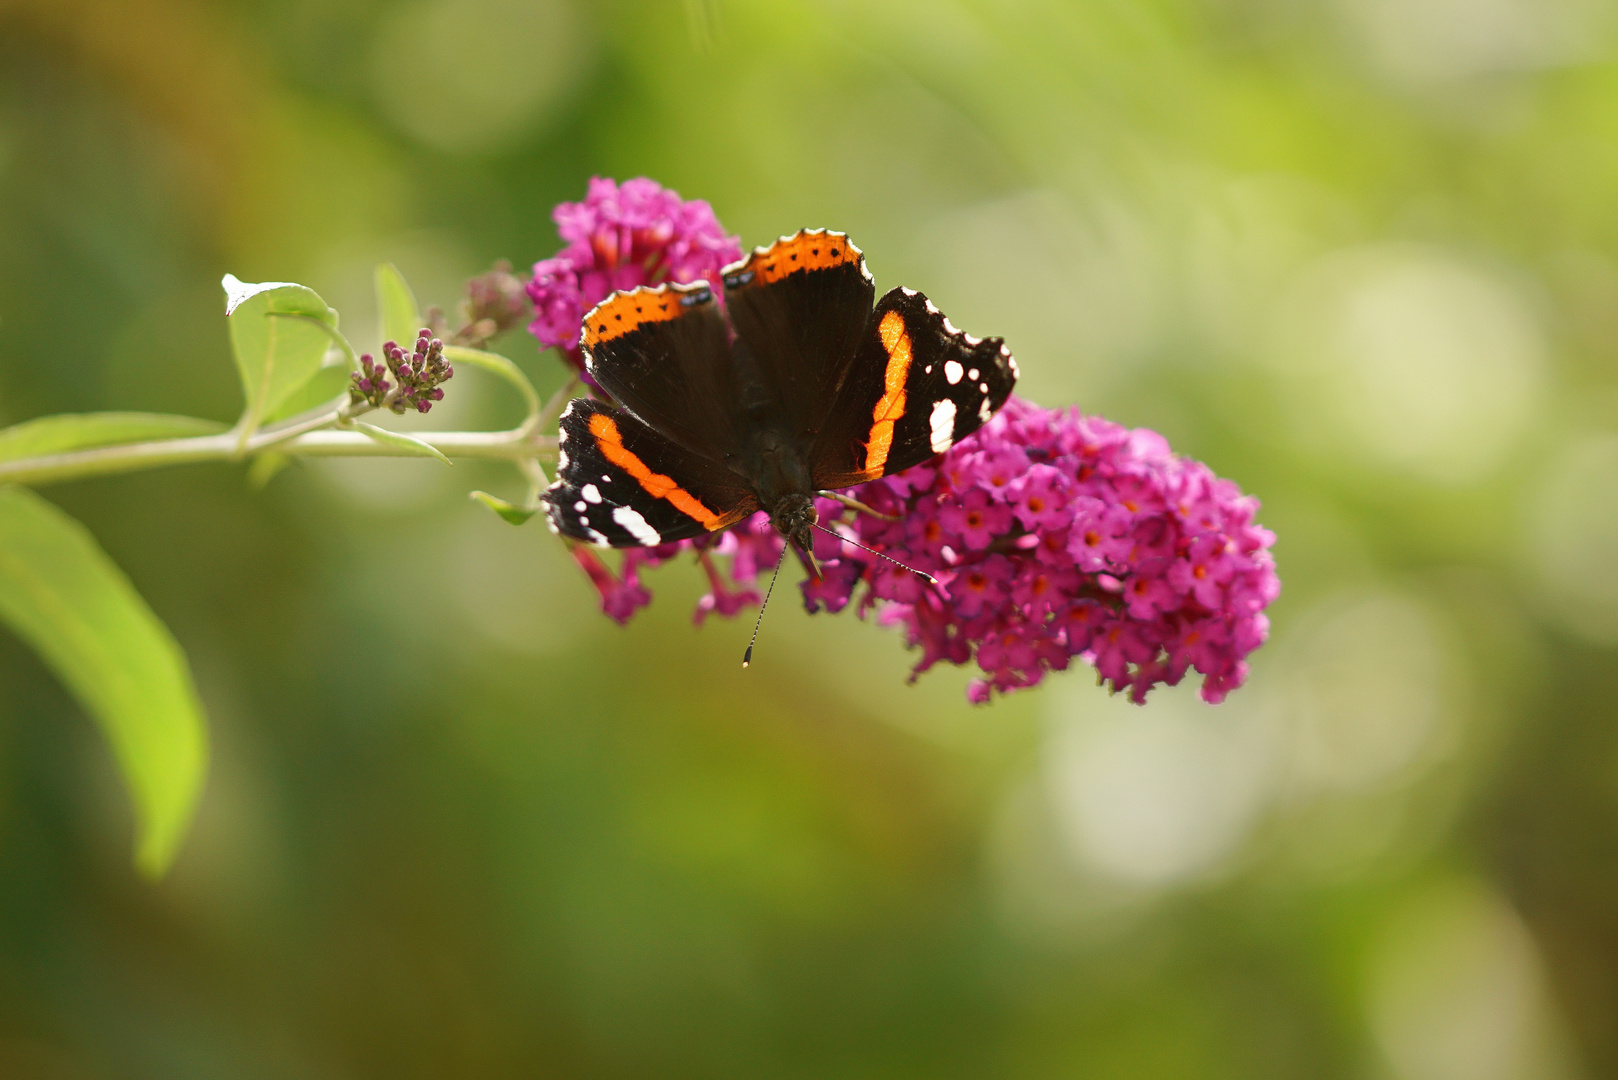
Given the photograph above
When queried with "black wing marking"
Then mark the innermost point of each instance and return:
(664, 354)
(621, 484)
(917, 387)
(800, 307)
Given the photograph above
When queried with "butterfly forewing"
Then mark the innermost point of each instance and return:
(917, 386)
(664, 355)
(800, 306)
(621, 484)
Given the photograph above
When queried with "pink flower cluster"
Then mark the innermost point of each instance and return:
(1052, 535)
(621, 236)
(1055, 535)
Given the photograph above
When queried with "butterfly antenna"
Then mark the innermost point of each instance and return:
(747, 657)
(877, 553)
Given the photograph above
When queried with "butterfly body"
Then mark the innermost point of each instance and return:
(800, 385)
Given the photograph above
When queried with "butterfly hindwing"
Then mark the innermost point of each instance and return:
(621, 484)
(916, 387)
(663, 354)
(800, 308)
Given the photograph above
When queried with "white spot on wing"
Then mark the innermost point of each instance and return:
(580, 506)
(942, 422)
(636, 526)
(591, 492)
(984, 412)
(597, 539)
(973, 374)
(561, 460)
(952, 372)
(907, 292)
(932, 308)
(949, 327)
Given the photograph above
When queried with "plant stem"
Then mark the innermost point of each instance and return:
(296, 439)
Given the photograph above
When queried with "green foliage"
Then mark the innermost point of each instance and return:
(275, 357)
(84, 431)
(513, 513)
(398, 318)
(64, 597)
(60, 593)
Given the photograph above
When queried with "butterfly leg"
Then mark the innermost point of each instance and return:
(854, 504)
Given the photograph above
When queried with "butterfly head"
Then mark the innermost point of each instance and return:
(793, 516)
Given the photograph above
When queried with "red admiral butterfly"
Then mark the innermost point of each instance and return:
(807, 388)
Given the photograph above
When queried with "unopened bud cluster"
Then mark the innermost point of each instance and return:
(418, 374)
(495, 302)
(369, 384)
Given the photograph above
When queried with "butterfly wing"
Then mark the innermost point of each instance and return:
(664, 354)
(800, 307)
(916, 387)
(621, 484)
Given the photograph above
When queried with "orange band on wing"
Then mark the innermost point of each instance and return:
(611, 445)
(623, 312)
(811, 249)
(891, 406)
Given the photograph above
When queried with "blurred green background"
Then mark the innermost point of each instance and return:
(1359, 255)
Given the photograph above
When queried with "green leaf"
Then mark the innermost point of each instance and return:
(499, 365)
(275, 357)
(397, 317)
(83, 431)
(323, 388)
(510, 511)
(400, 441)
(61, 594)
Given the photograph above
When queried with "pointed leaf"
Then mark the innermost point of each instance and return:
(510, 511)
(83, 431)
(402, 442)
(61, 594)
(398, 319)
(275, 357)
